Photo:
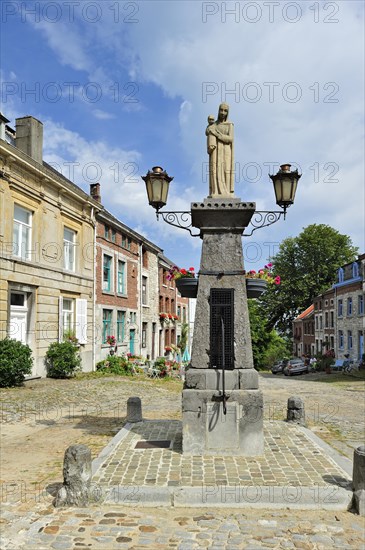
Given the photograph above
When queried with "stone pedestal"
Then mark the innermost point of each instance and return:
(206, 429)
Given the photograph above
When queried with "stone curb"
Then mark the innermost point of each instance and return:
(235, 496)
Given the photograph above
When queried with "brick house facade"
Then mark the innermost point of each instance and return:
(126, 287)
(303, 333)
(173, 308)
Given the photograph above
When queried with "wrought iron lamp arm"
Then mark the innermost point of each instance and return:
(182, 219)
(264, 218)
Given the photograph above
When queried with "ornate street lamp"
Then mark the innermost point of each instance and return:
(285, 186)
(157, 185)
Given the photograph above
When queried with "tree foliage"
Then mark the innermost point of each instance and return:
(267, 346)
(184, 337)
(307, 265)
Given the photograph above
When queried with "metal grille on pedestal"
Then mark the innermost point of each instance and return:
(221, 307)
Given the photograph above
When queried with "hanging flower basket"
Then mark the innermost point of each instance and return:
(255, 287)
(187, 286)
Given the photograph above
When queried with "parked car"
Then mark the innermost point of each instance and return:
(295, 366)
(278, 368)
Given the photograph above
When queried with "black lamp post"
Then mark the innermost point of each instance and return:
(157, 185)
(285, 186)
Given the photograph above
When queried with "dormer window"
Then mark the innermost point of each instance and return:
(355, 270)
(341, 274)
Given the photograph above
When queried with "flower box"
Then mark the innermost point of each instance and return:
(187, 286)
(255, 287)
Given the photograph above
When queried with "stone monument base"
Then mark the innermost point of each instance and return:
(206, 429)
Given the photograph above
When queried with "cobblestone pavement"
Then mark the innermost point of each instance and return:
(92, 411)
(290, 458)
(110, 528)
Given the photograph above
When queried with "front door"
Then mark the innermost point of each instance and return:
(132, 338)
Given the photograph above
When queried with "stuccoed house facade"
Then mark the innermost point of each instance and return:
(350, 319)
(46, 248)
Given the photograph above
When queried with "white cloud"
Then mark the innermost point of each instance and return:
(102, 115)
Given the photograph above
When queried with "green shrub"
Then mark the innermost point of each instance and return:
(15, 362)
(62, 360)
(114, 365)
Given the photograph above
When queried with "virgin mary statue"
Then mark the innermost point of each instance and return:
(220, 149)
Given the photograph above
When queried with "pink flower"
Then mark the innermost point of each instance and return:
(277, 280)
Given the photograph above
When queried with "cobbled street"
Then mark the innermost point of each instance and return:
(40, 420)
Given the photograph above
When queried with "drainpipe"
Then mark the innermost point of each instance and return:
(94, 292)
(140, 262)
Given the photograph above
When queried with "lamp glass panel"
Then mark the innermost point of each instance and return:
(285, 189)
(286, 186)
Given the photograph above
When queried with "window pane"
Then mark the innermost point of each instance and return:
(107, 324)
(68, 314)
(16, 239)
(120, 326)
(121, 277)
(17, 299)
(106, 273)
(21, 215)
(68, 234)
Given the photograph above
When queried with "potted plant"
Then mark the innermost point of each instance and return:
(111, 340)
(164, 317)
(257, 281)
(185, 280)
(70, 336)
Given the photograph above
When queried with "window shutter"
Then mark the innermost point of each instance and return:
(60, 319)
(81, 320)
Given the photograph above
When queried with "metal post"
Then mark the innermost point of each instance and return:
(223, 371)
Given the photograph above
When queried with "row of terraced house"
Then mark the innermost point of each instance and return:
(335, 321)
(69, 267)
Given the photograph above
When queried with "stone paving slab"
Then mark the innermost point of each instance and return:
(296, 470)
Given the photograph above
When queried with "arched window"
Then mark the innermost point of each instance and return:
(340, 275)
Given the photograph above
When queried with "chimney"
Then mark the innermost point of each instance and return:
(95, 191)
(29, 137)
(3, 123)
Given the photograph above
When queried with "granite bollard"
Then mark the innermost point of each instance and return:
(76, 477)
(295, 411)
(134, 409)
(358, 480)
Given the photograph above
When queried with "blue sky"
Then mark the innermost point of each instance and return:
(124, 86)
